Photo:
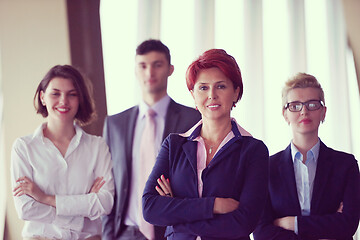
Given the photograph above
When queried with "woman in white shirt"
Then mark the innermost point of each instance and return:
(61, 176)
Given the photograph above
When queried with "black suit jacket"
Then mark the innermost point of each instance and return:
(119, 134)
(336, 180)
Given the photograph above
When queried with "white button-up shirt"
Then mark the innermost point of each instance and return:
(304, 177)
(70, 178)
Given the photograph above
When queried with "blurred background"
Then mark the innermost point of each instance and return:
(271, 40)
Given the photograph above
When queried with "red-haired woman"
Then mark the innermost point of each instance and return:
(61, 176)
(211, 182)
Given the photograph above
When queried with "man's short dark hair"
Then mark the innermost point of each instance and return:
(153, 45)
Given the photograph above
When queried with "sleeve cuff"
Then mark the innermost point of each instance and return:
(74, 205)
(74, 223)
(296, 226)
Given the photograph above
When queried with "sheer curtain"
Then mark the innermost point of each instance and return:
(271, 40)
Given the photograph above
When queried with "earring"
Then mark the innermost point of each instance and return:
(234, 104)
(43, 103)
(196, 108)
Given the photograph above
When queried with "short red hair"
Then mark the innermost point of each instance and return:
(215, 58)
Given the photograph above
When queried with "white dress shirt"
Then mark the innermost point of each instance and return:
(70, 178)
(304, 177)
(133, 215)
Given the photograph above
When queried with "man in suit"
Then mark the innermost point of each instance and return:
(314, 191)
(123, 133)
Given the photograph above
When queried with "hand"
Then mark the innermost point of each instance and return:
(225, 205)
(287, 223)
(340, 209)
(28, 187)
(98, 183)
(165, 188)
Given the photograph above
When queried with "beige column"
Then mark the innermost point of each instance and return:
(33, 38)
(352, 19)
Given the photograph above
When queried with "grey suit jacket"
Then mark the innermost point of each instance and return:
(119, 133)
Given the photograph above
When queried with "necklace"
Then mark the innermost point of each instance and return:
(210, 149)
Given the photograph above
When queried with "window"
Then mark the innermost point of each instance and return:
(271, 41)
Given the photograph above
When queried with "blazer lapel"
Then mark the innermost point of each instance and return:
(130, 136)
(172, 118)
(323, 169)
(190, 150)
(286, 169)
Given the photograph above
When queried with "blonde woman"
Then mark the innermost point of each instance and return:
(313, 189)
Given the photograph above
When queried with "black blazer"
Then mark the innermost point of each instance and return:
(238, 171)
(119, 133)
(336, 180)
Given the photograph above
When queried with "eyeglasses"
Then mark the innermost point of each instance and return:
(311, 105)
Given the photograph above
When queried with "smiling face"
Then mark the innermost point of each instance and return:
(61, 100)
(152, 70)
(304, 122)
(214, 94)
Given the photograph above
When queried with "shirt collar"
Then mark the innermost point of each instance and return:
(39, 132)
(314, 151)
(160, 107)
(79, 132)
(194, 132)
